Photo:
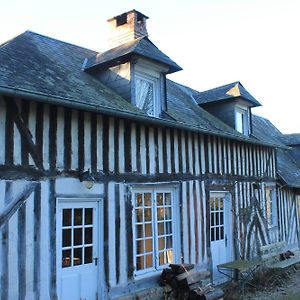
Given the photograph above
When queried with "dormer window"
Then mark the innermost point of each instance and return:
(149, 88)
(242, 120)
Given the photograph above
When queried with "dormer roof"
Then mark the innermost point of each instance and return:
(226, 92)
(141, 47)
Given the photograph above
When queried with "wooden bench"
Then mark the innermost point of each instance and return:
(276, 255)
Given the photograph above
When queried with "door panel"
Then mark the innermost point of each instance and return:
(220, 233)
(77, 249)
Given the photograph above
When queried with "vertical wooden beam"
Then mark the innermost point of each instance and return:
(52, 239)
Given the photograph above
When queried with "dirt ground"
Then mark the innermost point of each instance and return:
(270, 285)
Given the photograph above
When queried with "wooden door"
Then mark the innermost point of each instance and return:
(220, 233)
(78, 249)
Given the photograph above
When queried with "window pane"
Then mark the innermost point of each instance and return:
(78, 216)
(239, 122)
(147, 199)
(148, 214)
(212, 234)
(66, 237)
(66, 258)
(212, 205)
(77, 260)
(161, 229)
(139, 215)
(140, 247)
(221, 218)
(159, 199)
(170, 256)
(162, 258)
(148, 244)
(217, 218)
(221, 204)
(67, 217)
(148, 230)
(169, 243)
(88, 255)
(88, 216)
(88, 235)
(168, 227)
(212, 219)
(161, 243)
(168, 198)
(160, 213)
(222, 232)
(149, 261)
(166, 257)
(78, 236)
(168, 213)
(138, 200)
(139, 231)
(140, 263)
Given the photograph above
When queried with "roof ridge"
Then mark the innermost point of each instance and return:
(223, 86)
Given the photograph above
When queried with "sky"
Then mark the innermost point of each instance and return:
(216, 42)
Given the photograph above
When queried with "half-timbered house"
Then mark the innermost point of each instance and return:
(109, 171)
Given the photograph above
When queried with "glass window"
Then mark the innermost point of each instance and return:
(241, 121)
(270, 206)
(77, 236)
(153, 230)
(148, 93)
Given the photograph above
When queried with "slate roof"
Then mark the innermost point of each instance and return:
(291, 139)
(141, 46)
(288, 167)
(225, 93)
(48, 67)
(45, 69)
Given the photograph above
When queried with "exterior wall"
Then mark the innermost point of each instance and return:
(288, 217)
(46, 147)
(25, 240)
(59, 140)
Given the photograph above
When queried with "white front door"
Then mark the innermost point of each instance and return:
(77, 249)
(220, 233)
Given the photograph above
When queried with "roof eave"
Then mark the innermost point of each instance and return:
(125, 58)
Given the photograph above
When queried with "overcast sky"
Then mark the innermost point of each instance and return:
(256, 42)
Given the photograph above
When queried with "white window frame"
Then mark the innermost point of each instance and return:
(175, 230)
(152, 72)
(244, 112)
(156, 92)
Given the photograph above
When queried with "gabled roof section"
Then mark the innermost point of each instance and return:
(264, 130)
(288, 167)
(142, 47)
(225, 93)
(291, 139)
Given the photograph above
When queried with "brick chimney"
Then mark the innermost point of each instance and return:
(126, 27)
